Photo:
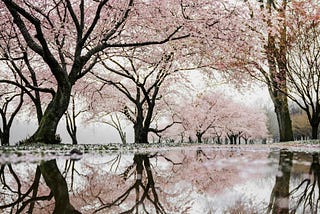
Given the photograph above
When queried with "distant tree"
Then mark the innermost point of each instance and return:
(11, 100)
(74, 111)
(114, 119)
(213, 115)
(201, 114)
(301, 126)
(272, 126)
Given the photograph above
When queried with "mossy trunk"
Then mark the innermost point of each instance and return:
(276, 50)
(46, 132)
(283, 117)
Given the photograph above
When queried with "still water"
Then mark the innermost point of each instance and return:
(206, 179)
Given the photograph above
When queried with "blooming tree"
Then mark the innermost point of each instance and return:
(304, 61)
(262, 53)
(68, 35)
(214, 115)
(11, 100)
(140, 84)
(202, 113)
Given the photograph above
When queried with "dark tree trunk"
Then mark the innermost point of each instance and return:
(46, 132)
(72, 129)
(283, 117)
(140, 133)
(71, 122)
(199, 137)
(277, 62)
(230, 139)
(142, 125)
(315, 131)
(218, 140)
(58, 186)
(5, 136)
(74, 139)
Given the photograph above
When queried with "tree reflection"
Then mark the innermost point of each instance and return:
(14, 187)
(279, 200)
(19, 199)
(305, 196)
(307, 193)
(58, 186)
(144, 189)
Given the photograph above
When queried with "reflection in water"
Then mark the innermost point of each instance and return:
(58, 186)
(180, 181)
(279, 200)
(307, 193)
(21, 199)
(143, 190)
(303, 197)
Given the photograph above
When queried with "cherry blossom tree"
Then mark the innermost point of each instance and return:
(9, 108)
(25, 71)
(291, 57)
(262, 53)
(202, 113)
(304, 61)
(246, 123)
(71, 117)
(141, 85)
(215, 115)
(67, 36)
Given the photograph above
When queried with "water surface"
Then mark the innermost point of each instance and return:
(193, 179)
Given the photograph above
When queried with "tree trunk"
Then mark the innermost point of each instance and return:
(71, 129)
(199, 137)
(58, 186)
(315, 131)
(140, 134)
(5, 136)
(74, 139)
(283, 117)
(46, 132)
(277, 62)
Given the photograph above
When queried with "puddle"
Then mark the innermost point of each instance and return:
(192, 179)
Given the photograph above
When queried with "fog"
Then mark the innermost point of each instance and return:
(95, 133)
